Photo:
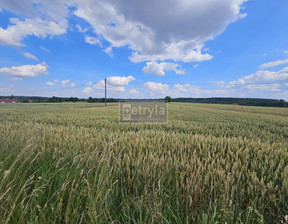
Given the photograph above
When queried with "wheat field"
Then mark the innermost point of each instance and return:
(75, 163)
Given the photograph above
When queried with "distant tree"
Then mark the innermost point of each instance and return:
(73, 99)
(90, 99)
(167, 99)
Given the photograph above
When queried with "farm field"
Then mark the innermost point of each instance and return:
(75, 163)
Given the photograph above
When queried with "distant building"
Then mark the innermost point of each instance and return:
(30, 101)
(9, 101)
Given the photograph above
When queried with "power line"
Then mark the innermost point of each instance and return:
(105, 92)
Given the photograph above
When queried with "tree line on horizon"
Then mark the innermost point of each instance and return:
(238, 101)
(212, 100)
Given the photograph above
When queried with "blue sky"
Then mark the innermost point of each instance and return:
(145, 48)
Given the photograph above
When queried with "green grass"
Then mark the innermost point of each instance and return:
(74, 163)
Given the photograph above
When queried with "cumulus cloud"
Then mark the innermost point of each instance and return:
(14, 34)
(50, 10)
(134, 92)
(261, 81)
(65, 82)
(153, 30)
(274, 63)
(81, 30)
(89, 83)
(120, 80)
(52, 83)
(88, 90)
(177, 33)
(25, 71)
(28, 55)
(262, 76)
(92, 40)
(263, 87)
(108, 51)
(100, 85)
(190, 90)
(116, 88)
(158, 87)
(72, 85)
(160, 68)
(114, 83)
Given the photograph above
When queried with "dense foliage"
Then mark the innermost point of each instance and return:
(214, 100)
(239, 101)
(74, 163)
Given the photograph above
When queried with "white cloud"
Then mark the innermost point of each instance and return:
(263, 87)
(25, 70)
(116, 88)
(4, 90)
(160, 68)
(89, 83)
(81, 30)
(100, 85)
(51, 10)
(65, 82)
(134, 92)
(286, 52)
(45, 49)
(190, 90)
(175, 52)
(154, 86)
(108, 51)
(262, 76)
(195, 66)
(259, 82)
(153, 30)
(72, 85)
(16, 79)
(141, 26)
(119, 80)
(50, 83)
(274, 63)
(114, 83)
(14, 34)
(182, 88)
(28, 55)
(286, 84)
(219, 83)
(87, 90)
(92, 40)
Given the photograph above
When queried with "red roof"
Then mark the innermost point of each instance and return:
(8, 101)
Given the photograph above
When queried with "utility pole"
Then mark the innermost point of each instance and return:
(105, 92)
